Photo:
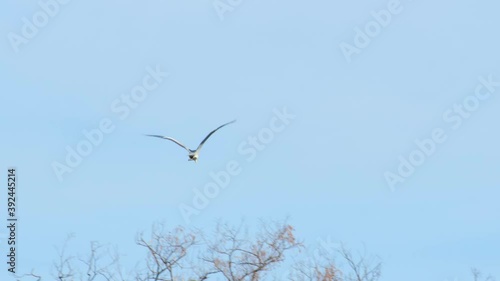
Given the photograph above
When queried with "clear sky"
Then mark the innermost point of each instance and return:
(359, 86)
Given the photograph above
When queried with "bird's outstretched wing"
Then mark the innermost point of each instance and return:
(170, 139)
(206, 138)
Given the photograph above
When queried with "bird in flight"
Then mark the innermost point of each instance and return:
(193, 154)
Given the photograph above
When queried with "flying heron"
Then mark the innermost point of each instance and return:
(193, 154)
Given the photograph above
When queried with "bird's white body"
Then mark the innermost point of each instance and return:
(193, 156)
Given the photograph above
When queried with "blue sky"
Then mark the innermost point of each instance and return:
(354, 116)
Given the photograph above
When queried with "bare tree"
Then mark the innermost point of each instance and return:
(229, 253)
(334, 262)
(238, 258)
(477, 275)
(314, 270)
(360, 267)
(29, 275)
(63, 265)
(166, 251)
(99, 263)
